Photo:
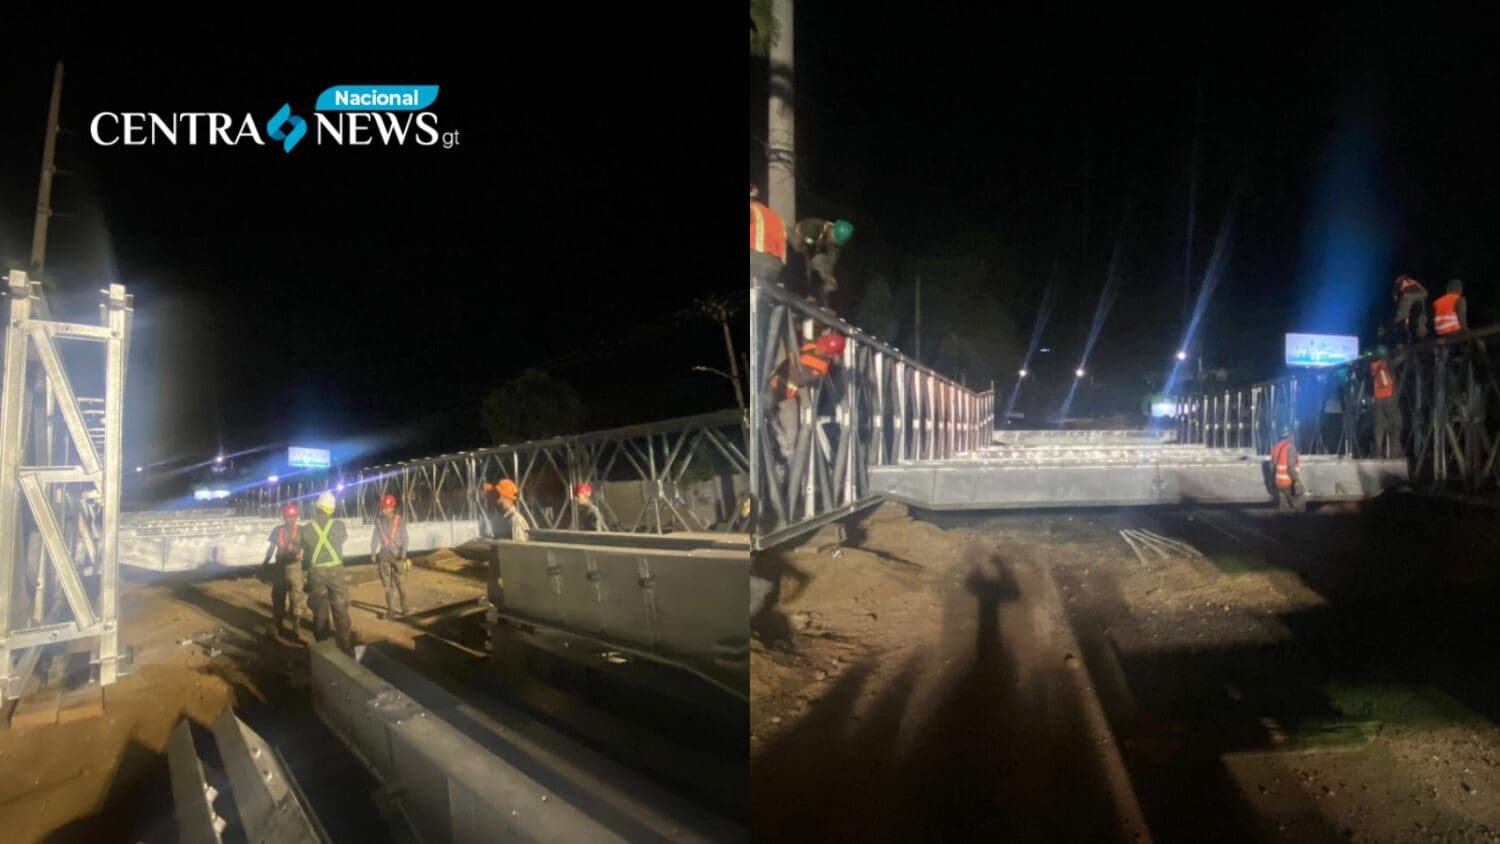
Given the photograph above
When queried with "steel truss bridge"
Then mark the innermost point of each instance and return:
(885, 426)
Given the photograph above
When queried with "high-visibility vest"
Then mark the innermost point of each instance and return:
(1380, 376)
(390, 540)
(285, 541)
(1279, 460)
(767, 231)
(809, 360)
(323, 542)
(1445, 314)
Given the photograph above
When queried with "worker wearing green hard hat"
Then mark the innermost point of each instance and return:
(820, 241)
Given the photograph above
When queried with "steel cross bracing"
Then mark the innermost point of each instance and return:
(1446, 389)
(877, 407)
(683, 474)
(60, 456)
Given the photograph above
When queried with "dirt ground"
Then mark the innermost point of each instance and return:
(1320, 678)
(102, 779)
(923, 684)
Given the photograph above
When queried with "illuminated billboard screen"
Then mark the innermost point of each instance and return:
(308, 458)
(1320, 349)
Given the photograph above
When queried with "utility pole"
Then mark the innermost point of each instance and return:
(44, 190)
(719, 310)
(781, 142)
(919, 319)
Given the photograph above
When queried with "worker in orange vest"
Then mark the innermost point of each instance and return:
(1286, 466)
(1411, 309)
(388, 549)
(1387, 409)
(790, 384)
(767, 240)
(1450, 313)
(288, 582)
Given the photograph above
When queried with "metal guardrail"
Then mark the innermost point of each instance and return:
(60, 456)
(1446, 389)
(644, 479)
(878, 407)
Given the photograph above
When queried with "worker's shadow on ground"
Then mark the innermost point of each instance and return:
(957, 744)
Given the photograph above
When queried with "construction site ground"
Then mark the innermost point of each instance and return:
(1029, 676)
(105, 778)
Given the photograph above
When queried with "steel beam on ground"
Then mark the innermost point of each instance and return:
(449, 786)
(682, 608)
(192, 796)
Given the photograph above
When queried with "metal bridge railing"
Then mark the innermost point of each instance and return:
(878, 407)
(686, 474)
(1446, 388)
(60, 456)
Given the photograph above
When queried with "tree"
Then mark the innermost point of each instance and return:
(762, 28)
(532, 406)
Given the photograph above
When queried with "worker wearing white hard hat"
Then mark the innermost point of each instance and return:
(323, 544)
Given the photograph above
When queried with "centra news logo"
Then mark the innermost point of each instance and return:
(344, 115)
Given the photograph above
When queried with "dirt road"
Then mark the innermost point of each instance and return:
(1321, 678)
(105, 779)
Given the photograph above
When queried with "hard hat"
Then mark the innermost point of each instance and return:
(754, 191)
(290, 510)
(327, 503)
(507, 489)
(388, 502)
(1285, 429)
(842, 231)
(831, 345)
(1455, 285)
(583, 489)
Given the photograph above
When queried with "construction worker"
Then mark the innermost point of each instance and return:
(789, 387)
(288, 582)
(323, 542)
(1450, 312)
(820, 240)
(1286, 465)
(1387, 409)
(767, 240)
(388, 549)
(590, 517)
(1411, 309)
(513, 524)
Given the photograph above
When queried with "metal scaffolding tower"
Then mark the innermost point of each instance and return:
(61, 437)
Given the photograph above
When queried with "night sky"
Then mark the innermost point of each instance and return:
(369, 297)
(1365, 141)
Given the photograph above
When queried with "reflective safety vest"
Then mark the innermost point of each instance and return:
(810, 361)
(1279, 460)
(767, 231)
(323, 542)
(391, 540)
(1380, 376)
(1445, 314)
(285, 542)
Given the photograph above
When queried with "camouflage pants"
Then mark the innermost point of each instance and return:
(393, 578)
(330, 604)
(289, 594)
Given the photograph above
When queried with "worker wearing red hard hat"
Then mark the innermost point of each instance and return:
(288, 583)
(590, 517)
(388, 549)
(790, 387)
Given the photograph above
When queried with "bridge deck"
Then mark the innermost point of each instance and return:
(1116, 471)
